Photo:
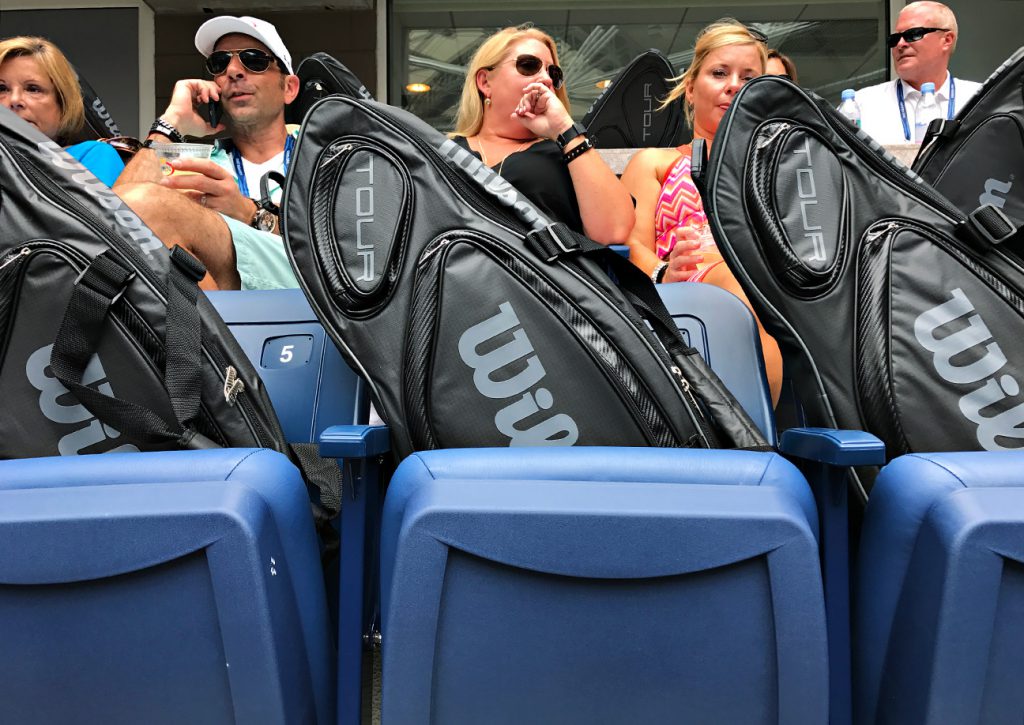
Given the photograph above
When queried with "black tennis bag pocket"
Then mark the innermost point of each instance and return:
(106, 343)
(976, 159)
(894, 312)
(474, 320)
(626, 113)
(953, 346)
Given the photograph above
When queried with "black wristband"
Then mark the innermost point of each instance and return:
(163, 128)
(578, 151)
(569, 134)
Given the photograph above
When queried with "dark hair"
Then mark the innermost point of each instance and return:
(787, 63)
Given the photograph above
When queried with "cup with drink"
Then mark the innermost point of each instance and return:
(167, 152)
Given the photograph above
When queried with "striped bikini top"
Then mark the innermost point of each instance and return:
(678, 204)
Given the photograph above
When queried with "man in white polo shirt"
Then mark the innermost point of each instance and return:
(924, 40)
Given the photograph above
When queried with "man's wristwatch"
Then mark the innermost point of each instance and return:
(569, 134)
(264, 220)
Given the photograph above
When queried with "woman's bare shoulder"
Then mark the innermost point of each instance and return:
(651, 162)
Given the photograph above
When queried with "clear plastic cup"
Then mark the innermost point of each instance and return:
(167, 152)
(707, 239)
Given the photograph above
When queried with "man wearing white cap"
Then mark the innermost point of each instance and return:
(252, 81)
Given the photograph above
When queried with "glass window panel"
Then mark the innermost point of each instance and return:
(835, 45)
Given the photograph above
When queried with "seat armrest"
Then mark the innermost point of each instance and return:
(833, 447)
(355, 441)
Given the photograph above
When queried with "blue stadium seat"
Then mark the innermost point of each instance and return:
(309, 383)
(319, 399)
(180, 587)
(601, 585)
(940, 592)
(723, 331)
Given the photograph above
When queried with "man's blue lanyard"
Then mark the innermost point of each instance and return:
(236, 157)
(903, 107)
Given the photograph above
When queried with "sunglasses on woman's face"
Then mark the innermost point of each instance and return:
(530, 65)
(253, 59)
(912, 35)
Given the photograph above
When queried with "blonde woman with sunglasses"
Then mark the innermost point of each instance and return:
(514, 115)
(38, 84)
(671, 240)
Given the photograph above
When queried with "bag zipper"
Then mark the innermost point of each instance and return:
(345, 292)
(632, 390)
(873, 376)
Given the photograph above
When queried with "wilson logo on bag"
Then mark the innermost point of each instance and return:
(559, 429)
(56, 403)
(980, 358)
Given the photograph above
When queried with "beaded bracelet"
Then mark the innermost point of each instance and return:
(578, 150)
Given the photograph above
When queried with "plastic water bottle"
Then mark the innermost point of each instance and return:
(927, 111)
(849, 108)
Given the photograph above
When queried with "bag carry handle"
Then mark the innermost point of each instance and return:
(96, 290)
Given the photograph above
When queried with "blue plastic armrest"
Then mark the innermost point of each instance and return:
(354, 441)
(833, 447)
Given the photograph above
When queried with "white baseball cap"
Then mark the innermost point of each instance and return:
(216, 28)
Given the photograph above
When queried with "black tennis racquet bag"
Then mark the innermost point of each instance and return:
(475, 321)
(106, 342)
(895, 312)
(976, 159)
(626, 113)
(321, 75)
(98, 122)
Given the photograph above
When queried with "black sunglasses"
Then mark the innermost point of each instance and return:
(530, 65)
(912, 35)
(254, 60)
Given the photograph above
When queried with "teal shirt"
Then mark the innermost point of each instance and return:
(261, 257)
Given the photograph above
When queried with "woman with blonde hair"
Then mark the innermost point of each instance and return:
(514, 115)
(39, 85)
(671, 240)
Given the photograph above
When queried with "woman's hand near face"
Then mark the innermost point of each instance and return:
(541, 112)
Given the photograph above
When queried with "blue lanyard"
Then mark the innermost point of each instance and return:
(903, 107)
(236, 157)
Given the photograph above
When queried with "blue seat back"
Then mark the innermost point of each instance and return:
(309, 383)
(940, 602)
(565, 585)
(723, 331)
(161, 588)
